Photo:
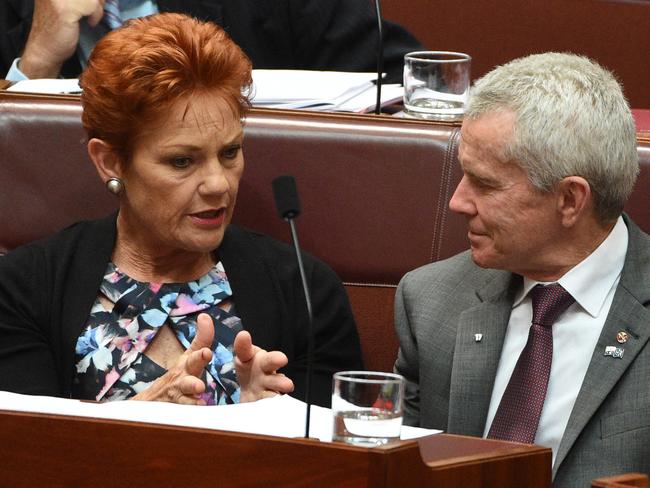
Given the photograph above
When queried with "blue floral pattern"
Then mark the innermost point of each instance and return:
(111, 363)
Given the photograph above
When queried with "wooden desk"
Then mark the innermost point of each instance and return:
(50, 450)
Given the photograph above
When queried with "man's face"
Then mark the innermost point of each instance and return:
(512, 225)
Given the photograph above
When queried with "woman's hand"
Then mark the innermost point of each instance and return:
(256, 370)
(182, 383)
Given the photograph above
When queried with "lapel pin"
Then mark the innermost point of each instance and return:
(615, 352)
(478, 337)
(622, 337)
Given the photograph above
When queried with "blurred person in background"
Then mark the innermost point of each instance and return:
(48, 38)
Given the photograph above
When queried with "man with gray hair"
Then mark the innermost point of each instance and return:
(538, 333)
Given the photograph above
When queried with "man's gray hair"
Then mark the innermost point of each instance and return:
(572, 119)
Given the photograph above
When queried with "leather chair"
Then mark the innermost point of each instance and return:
(374, 192)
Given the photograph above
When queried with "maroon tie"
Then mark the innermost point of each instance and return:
(518, 414)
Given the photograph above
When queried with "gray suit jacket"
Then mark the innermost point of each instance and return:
(450, 376)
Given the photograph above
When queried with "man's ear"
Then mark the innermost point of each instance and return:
(107, 163)
(575, 199)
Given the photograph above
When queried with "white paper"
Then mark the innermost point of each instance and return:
(288, 89)
(320, 90)
(46, 85)
(366, 101)
(281, 416)
(287, 86)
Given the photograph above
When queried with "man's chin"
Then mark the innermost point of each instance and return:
(484, 261)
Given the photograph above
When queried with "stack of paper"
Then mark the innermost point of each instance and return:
(320, 90)
(290, 89)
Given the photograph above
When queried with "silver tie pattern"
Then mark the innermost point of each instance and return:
(112, 14)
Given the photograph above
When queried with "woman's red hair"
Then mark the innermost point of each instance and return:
(136, 73)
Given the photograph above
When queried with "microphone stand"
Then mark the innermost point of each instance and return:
(310, 330)
(380, 56)
(285, 194)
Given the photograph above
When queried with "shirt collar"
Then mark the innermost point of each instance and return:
(591, 279)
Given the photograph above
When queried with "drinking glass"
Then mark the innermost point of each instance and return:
(367, 407)
(436, 84)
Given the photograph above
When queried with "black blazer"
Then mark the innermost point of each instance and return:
(47, 289)
(276, 34)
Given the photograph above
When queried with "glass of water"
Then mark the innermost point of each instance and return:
(436, 84)
(367, 407)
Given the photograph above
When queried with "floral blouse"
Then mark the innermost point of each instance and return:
(111, 363)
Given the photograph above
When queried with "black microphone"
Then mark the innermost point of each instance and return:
(286, 197)
(380, 55)
(288, 205)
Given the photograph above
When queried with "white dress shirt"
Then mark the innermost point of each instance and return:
(592, 283)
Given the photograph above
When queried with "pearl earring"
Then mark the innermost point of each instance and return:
(115, 186)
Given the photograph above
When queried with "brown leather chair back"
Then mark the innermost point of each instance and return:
(374, 193)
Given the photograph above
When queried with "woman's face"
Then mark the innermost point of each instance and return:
(182, 181)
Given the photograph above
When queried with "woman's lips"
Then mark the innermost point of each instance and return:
(209, 218)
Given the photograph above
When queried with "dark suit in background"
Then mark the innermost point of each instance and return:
(338, 35)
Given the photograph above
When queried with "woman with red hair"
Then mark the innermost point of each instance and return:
(159, 302)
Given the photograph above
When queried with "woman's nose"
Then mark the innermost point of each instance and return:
(215, 180)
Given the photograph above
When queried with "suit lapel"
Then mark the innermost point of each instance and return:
(23, 9)
(17, 32)
(476, 361)
(627, 313)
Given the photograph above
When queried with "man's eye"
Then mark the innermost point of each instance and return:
(183, 162)
(481, 183)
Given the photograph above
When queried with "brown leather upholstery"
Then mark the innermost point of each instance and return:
(46, 179)
(374, 192)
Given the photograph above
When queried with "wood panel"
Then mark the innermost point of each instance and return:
(52, 451)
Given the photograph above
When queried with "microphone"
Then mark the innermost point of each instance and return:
(286, 197)
(287, 203)
(380, 55)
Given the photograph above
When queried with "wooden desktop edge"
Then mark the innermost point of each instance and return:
(435, 450)
(442, 460)
(449, 450)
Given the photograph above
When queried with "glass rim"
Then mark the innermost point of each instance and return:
(380, 377)
(422, 56)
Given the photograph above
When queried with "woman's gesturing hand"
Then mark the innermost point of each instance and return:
(256, 370)
(181, 383)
